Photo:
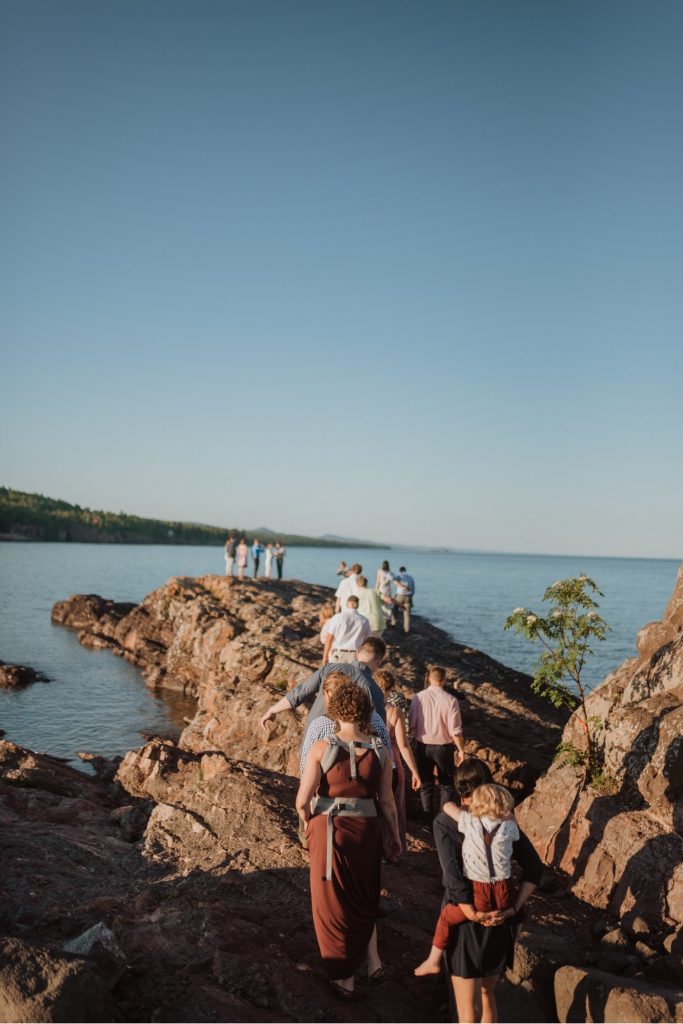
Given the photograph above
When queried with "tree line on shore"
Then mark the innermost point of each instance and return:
(25, 516)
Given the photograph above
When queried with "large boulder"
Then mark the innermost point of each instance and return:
(212, 812)
(39, 984)
(622, 843)
(585, 994)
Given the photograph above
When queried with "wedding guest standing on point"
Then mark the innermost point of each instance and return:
(436, 729)
(344, 779)
(257, 550)
(279, 555)
(230, 555)
(345, 634)
(242, 558)
(383, 581)
(268, 572)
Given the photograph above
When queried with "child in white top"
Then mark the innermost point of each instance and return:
(489, 830)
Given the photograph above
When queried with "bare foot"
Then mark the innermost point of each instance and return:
(425, 968)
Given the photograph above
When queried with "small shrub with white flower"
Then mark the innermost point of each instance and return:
(566, 634)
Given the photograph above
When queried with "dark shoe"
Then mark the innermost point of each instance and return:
(341, 993)
(378, 975)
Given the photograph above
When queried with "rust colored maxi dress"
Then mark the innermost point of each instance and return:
(345, 909)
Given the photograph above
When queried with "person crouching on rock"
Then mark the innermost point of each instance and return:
(344, 777)
(489, 830)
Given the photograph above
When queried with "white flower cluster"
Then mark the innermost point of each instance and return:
(557, 614)
(582, 579)
(592, 615)
(518, 611)
(530, 619)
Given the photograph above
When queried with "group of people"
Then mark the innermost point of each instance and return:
(351, 805)
(360, 611)
(238, 553)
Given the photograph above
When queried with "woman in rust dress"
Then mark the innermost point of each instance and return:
(343, 777)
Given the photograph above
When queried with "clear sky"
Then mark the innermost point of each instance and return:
(403, 271)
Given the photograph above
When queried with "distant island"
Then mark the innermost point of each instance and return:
(26, 517)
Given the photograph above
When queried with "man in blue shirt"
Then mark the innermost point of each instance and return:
(310, 692)
(257, 550)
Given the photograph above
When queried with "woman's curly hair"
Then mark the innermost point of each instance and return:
(349, 703)
(385, 679)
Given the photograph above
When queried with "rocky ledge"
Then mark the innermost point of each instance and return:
(236, 647)
(170, 885)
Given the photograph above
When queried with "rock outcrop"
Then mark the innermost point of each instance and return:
(170, 884)
(14, 677)
(622, 846)
(237, 647)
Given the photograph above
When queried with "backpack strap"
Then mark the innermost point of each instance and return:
(331, 754)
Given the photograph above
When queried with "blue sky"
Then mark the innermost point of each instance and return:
(408, 272)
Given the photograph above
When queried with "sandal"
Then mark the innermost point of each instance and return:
(378, 975)
(346, 995)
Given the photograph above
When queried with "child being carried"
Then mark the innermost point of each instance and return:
(489, 830)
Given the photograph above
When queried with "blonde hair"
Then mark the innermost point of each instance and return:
(491, 801)
(326, 612)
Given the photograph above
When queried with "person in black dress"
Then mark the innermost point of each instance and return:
(478, 954)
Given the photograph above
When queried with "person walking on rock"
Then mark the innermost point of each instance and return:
(345, 777)
(230, 555)
(268, 571)
(400, 749)
(478, 954)
(345, 634)
(348, 587)
(370, 605)
(242, 558)
(310, 691)
(405, 591)
(436, 729)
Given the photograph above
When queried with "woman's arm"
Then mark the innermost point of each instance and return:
(399, 723)
(452, 810)
(532, 872)
(310, 780)
(388, 805)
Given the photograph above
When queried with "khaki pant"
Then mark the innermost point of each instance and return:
(405, 603)
(345, 656)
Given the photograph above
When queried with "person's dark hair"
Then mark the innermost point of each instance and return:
(385, 566)
(375, 646)
(352, 600)
(471, 774)
(402, 569)
(356, 569)
(349, 703)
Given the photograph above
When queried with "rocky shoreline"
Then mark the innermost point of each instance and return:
(186, 855)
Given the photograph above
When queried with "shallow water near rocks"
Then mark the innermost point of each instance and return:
(98, 702)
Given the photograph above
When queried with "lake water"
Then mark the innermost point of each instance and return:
(98, 702)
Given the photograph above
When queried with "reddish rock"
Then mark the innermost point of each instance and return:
(238, 647)
(585, 994)
(623, 847)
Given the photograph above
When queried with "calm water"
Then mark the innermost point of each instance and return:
(98, 702)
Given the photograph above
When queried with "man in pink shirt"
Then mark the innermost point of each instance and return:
(436, 732)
